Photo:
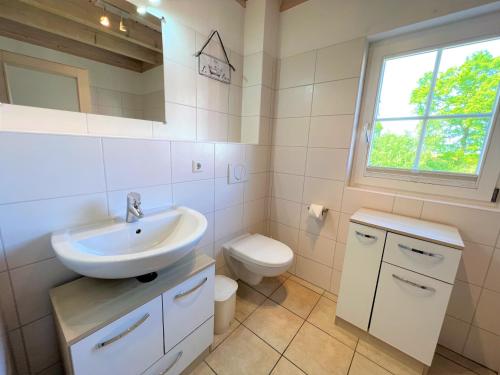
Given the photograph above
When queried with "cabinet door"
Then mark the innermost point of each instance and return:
(187, 306)
(129, 345)
(365, 246)
(409, 311)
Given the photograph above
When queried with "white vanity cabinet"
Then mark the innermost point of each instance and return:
(397, 279)
(130, 328)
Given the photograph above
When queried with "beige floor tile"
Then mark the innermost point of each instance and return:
(443, 366)
(274, 324)
(388, 357)
(331, 296)
(323, 317)
(461, 360)
(363, 366)
(247, 300)
(202, 369)
(285, 367)
(316, 352)
(269, 284)
(307, 284)
(296, 298)
(221, 337)
(243, 353)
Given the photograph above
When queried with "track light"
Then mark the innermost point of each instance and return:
(142, 10)
(104, 20)
(123, 28)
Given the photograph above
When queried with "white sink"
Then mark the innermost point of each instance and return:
(116, 250)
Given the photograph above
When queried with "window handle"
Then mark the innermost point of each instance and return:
(367, 132)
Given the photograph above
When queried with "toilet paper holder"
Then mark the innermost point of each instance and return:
(323, 211)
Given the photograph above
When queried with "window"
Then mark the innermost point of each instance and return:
(435, 109)
(428, 120)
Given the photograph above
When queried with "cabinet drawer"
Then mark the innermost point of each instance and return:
(187, 306)
(181, 356)
(407, 316)
(126, 346)
(424, 257)
(364, 249)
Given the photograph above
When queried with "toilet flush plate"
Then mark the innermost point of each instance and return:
(236, 173)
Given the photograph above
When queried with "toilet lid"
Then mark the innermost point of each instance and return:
(263, 251)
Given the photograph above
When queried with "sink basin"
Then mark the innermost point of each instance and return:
(116, 250)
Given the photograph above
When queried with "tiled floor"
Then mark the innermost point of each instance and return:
(286, 326)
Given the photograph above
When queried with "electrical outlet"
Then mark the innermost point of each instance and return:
(197, 166)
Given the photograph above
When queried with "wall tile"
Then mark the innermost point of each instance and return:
(285, 212)
(7, 303)
(234, 129)
(354, 199)
(287, 186)
(288, 235)
(454, 333)
(294, 102)
(198, 195)
(316, 273)
(65, 165)
(254, 212)
(326, 163)
(32, 283)
(327, 193)
(475, 225)
(183, 155)
(335, 282)
(152, 197)
(482, 347)
(180, 123)
(493, 277)
(486, 316)
(228, 221)
(208, 238)
(180, 84)
(289, 159)
(343, 228)
(326, 227)
(41, 343)
(23, 118)
(407, 206)
(340, 61)
(227, 195)
(317, 248)
(252, 73)
(296, 70)
(463, 301)
(335, 98)
(135, 163)
(235, 100)
(212, 95)
(338, 259)
(119, 126)
(474, 263)
(331, 131)
(26, 227)
(291, 131)
(180, 44)
(211, 126)
(18, 351)
(257, 158)
(226, 154)
(257, 186)
(251, 101)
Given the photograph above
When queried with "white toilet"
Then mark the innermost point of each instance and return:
(251, 257)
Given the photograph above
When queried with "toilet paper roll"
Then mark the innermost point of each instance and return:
(316, 211)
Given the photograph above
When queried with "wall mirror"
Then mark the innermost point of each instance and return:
(94, 56)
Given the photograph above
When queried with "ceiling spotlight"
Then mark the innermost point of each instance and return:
(142, 10)
(123, 28)
(155, 2)
(104, 20)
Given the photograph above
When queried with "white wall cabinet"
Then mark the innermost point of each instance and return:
(129, 328)
(397, 279)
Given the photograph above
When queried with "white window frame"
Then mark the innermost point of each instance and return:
(439, 184)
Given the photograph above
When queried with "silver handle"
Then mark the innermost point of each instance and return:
(420, 252)
(187, 292)
(124, 333)
(361, 234)
(399, 278)
(179, 355)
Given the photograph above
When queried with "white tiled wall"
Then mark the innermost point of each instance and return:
(315, 103)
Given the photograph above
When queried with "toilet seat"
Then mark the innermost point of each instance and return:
(262, 250)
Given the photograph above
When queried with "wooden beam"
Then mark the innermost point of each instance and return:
(86, 13)
(51, 23)
(146, 19)
(287, 4)
(41, 38)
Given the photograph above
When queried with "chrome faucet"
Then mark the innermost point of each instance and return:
(134, 210)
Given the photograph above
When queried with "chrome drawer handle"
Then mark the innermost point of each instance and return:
(363, 235)
(179, 355)
(187, 292)
(421, 252)
(124, 333)
(399, 278)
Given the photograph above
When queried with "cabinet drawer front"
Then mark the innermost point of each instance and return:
(187, 306)
(362, 259)
(127, 346)
(407, 316)
(181, 355)
(424, 257)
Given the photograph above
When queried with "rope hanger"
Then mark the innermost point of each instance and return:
(197, 54)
